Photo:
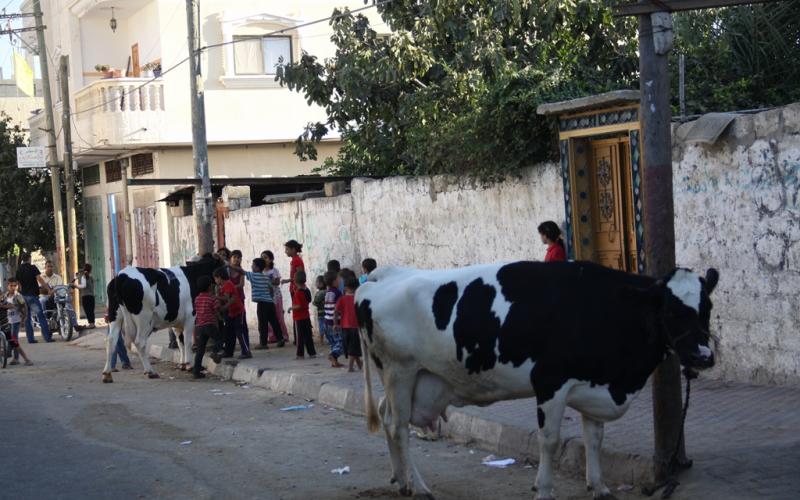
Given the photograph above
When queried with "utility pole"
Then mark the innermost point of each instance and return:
(203, 203)
(55, 177)
(69, 175)
(655, 42)
(126, 217)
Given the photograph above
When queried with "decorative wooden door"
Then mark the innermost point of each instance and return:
(607, 200)
(146, 237)
(93, 215)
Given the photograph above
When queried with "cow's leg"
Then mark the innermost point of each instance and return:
(180, 338)
(188, 340)
(549, 415)
(399, 385)
(142, 341)
(592, 441)
(111, 345)
(394, 453)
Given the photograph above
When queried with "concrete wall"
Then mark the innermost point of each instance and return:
(737, 207)
(422, 222)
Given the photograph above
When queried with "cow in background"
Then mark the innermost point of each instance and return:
(569, 334)
(145, 299)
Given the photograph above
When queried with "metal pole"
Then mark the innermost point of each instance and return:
(55, 176)
(69, 176)
(682, 85)
(203, 203)
(126, 215)
(659, 223)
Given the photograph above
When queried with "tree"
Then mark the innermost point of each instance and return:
(738, 58)
(454, 89)
(26, 206)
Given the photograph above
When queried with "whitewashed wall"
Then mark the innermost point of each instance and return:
(422, 222)
(737, 208)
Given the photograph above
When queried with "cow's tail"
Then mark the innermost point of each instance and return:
(365, 330)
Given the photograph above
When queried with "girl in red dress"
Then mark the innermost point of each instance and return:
(551, 236)
(293, 251)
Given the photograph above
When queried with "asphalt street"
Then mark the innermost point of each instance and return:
(67, 435)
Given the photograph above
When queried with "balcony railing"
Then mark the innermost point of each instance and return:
(119, 112)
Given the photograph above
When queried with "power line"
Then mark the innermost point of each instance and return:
(232, 42)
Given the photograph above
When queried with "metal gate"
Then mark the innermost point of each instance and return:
(93, 214)
(146, 237)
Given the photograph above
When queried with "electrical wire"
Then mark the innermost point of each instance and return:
(223, 44)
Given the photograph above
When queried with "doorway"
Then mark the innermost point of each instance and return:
(611, 198)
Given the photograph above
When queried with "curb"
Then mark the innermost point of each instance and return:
(461, 427)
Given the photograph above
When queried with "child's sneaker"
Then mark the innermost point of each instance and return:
(245, 356)
(13, 362)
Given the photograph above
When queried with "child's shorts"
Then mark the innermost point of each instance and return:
(352, 342)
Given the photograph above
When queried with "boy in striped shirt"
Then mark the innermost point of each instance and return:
(207, 315)
(262, 294)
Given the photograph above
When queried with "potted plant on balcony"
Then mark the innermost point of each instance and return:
(105, 69)
(157, 69)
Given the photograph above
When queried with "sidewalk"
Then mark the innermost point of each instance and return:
(744, 440)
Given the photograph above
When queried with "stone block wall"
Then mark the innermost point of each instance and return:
(737, 208)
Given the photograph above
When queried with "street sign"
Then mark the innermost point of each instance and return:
(32, 157)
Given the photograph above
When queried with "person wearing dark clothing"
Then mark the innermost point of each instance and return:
(345, 318)
(30, 280)
(302, 317)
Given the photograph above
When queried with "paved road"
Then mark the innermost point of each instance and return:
(69, 436)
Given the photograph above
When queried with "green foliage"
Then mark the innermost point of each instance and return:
(26, 207)
(455, 87)
(742, 57)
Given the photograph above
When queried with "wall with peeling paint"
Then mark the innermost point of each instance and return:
(422, 222)
(737, 208)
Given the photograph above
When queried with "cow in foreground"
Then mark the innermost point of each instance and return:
(145, 299)
(571, 334)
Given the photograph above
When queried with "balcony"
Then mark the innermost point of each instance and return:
(119, 113)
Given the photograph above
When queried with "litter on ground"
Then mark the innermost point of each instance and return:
(297, 408)
(341, 470)
(500, 464)
(185, 443)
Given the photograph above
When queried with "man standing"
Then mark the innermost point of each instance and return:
(30, 280)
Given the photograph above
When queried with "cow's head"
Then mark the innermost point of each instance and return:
(683, 305)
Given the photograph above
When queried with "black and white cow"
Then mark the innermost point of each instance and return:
(145, 299)
(570, 334)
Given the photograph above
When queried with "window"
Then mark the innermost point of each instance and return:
(260, 55)
(141, 164)
(91, 175)
(113, 171)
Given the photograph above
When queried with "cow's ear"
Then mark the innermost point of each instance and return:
(712, 278)
(652, 296)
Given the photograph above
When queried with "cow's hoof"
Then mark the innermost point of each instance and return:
(405, 491)
(153, 375)
(107, 379)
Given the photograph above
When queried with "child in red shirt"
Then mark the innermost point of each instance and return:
(301, 298)
(206, 307)
(345, 318)
(234, 319)
(551, 236)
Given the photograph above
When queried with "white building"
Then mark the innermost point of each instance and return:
(132, 119)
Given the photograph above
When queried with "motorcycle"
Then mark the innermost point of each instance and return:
(60, 318)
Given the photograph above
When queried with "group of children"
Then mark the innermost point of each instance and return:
(219, 307)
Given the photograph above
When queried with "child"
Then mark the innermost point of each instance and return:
(236, 275)
(232, 302)
(262, 293)
(347, 321)
(551, 236)
(293, 250)
(302, 319)
(14, 305)
(319, 303)
(332, 294)
(367, 266)
(272, 272)
(206, 307)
